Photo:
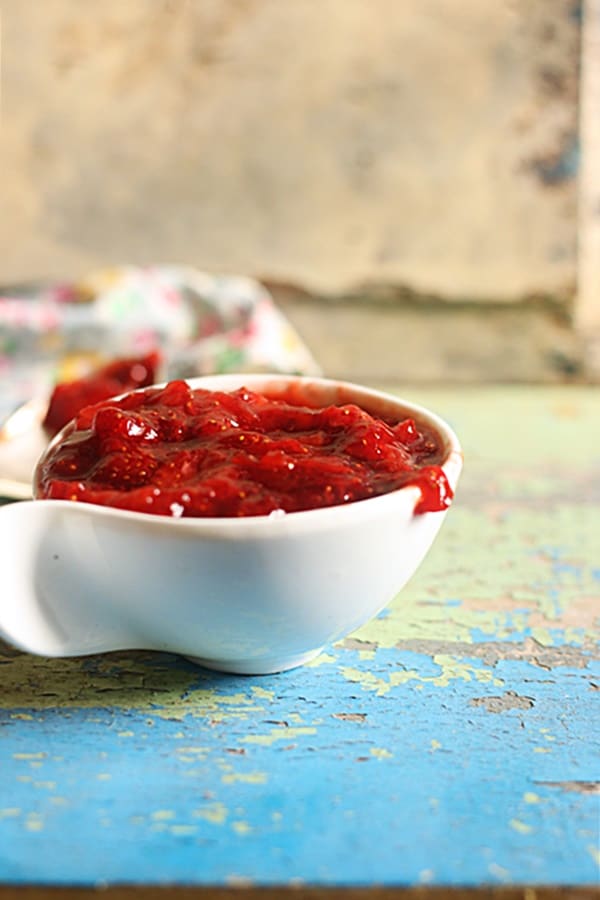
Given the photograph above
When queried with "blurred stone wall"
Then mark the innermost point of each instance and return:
(343, 146)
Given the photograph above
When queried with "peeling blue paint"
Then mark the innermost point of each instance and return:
(330, 811)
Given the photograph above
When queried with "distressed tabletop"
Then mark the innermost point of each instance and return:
(452, 740)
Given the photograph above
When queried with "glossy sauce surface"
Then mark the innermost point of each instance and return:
(117, 376)
(179, 452)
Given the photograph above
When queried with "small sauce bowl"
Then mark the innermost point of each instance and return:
(249, 595)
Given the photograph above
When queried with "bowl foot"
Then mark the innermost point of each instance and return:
(268, 665)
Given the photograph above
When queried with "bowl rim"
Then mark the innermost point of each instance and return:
(280, 522)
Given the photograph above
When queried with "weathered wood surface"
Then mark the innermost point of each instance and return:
(451, 741)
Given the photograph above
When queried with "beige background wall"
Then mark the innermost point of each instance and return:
(427, 144)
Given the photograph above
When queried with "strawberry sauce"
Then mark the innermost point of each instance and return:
(179, 452)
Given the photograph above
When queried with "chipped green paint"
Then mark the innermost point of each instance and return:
(245, 778)
(380, 753)
(490, 601)
(278, 734)
(450, 667)
(551, 425)
(521, 827)
(163, 692)
(216, 813)
(162, 814)
(322, 659)
(191, 754)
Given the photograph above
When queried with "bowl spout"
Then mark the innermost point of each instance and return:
(48, 604)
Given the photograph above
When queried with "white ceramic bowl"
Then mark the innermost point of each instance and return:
(251, 595)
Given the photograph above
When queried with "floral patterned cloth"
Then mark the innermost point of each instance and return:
(202, 324)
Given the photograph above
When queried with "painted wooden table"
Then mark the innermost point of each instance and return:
(451, 741)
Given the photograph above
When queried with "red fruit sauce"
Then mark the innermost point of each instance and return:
(118, 376)
(175, 451)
